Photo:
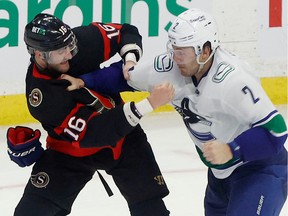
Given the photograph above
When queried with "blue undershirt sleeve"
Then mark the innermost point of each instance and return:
(256, 143)
(109, 80)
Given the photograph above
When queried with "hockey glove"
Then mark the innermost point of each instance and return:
(24, 147)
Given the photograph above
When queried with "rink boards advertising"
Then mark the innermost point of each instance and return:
(257, 33)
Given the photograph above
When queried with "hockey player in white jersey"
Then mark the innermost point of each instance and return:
(238, 133)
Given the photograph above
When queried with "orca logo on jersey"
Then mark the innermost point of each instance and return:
(222, 72)
(35, 97)
(40, 180)
(189, 116)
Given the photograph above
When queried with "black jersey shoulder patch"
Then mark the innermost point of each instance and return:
(35, 97)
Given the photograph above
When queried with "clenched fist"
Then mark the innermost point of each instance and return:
(161, 95)
(216, 152)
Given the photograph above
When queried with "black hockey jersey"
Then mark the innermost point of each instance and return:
(78, 122)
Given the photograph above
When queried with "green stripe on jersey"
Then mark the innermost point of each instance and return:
(276, 124)
(218, 166)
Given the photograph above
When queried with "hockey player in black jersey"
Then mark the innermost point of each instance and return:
(87, 131)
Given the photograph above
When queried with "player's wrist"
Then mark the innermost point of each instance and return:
(135, 111)
(144, 107)
(130, 57)
(129, 49)
(236, 150)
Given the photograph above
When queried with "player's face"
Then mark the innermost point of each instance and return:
(59, 59)
(185, 58)
(61, 68)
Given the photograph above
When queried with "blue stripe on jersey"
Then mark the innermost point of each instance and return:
(203, 137)
(273, 113)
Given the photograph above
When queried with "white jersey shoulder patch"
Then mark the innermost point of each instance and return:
(223, 69)
(163, 63)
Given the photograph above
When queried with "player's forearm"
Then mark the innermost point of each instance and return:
(109, 80)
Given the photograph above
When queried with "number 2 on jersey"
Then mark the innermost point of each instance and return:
(247, 90)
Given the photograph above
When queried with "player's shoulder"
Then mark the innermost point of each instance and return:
(230, 69)
(86, 34)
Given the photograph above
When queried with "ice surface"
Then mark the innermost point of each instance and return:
(183, 171)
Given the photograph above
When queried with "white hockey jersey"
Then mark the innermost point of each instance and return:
(225, 103)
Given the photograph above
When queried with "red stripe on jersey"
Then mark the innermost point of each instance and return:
(58, 130)
(118, 27)
(108, 32)
(66, 148)
(106, 101)
(36, 73)
(275, 13)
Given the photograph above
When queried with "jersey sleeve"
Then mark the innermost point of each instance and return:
(120, 38)
(154, 71)
(261, 142)
(143, 76)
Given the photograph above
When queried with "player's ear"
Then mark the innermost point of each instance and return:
(40, 58)
(206, 51)
(41, 55)
(38, 54)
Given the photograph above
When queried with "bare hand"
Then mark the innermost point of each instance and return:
(76, 83)
(126, 68)
(161, 95)
(216, 152)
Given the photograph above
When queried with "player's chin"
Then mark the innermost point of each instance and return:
(183, 70)
(63, 67)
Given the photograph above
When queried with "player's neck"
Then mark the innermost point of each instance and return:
(41, 64)
(203, 70)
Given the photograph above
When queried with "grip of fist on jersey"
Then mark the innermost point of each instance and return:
(24, 147)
